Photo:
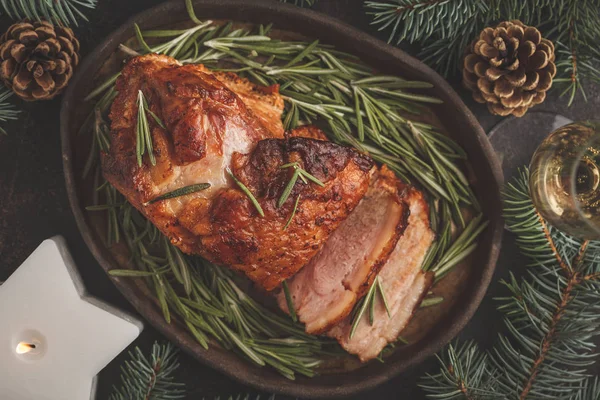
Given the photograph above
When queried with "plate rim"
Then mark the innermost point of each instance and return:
(211, 357)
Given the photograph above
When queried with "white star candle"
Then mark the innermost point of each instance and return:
(54, 339)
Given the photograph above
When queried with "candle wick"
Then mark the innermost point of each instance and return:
(23, 347)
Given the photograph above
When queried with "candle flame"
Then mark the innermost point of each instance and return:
(23, 348)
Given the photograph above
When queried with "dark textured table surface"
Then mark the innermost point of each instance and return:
(34, 206)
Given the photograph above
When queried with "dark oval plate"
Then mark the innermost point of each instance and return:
(455, 117)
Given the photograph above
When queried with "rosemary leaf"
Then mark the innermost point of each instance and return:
(431, 301)
(109, 83)
(310, 177)
(184, 270)
(293, 213)
(180, 192)
(372, 307)
(199, 336)
(302, 54)
(190, 10)
(298, 173)
(247, 192)
(361, 311)
(140, 38)
(289, 300)
(288, 189)
(159, 287)
(383, 296)
(155, 117)
(134, 273)
(359, 119)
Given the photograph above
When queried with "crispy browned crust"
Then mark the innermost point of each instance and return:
(307, 131)
(260, 247)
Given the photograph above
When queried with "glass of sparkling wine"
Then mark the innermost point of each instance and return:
(564, 179)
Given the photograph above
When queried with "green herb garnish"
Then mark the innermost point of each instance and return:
(247, 192)
(431, 301)
(180, 192)
(293, 213)
(288, 189)
(368, 302)
(289, 301)
(298, 173)
(143, 134)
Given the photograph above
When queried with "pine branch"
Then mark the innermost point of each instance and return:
(577, 35)
(7, 110)
(63, 12)
(534, 236)
(551, 316)
(465, 374)
(417, 20)
(444, 29)
(150, 378)
(590, 391)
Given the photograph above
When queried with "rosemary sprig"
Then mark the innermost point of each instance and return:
(463, 246)
(143, 134)
(368, 303)
(248, 193)
(289, 301)
(299, 172)
(180, 192)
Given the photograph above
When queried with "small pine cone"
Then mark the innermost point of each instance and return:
(37, 59)
(509, 68)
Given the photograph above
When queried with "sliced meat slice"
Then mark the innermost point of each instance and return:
(326, 289)
(403, 282)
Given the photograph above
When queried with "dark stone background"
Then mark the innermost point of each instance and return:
(34, 206)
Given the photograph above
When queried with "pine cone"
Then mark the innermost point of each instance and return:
(509, 68)
(37, 59)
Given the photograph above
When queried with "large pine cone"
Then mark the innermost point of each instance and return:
(509, 68)
(37, 59)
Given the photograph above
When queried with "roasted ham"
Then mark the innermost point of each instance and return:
(216, 121)
(402, 280)
(325, 291)
(328, 240)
